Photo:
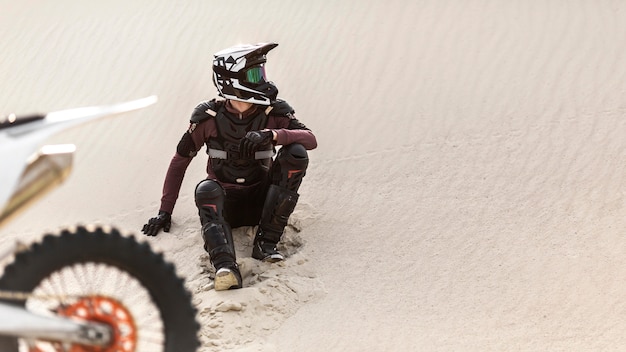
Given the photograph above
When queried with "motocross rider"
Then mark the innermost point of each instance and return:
(247, 183)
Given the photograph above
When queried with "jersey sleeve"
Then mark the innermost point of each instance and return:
(201, 127)
(288, 128)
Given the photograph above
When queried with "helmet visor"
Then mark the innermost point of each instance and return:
(255, 74)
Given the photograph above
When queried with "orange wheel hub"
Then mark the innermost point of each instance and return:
(107, 311)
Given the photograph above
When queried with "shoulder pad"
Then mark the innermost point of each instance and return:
(206, 110)
(280, 108)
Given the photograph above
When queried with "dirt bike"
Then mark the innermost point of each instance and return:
(85, 288)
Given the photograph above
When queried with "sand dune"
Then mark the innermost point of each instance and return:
(468, 192)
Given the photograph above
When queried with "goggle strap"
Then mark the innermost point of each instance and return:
(241, 75)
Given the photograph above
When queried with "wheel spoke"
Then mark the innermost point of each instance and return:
(56, 279)
(131, 308)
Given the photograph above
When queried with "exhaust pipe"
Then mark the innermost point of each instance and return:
(45, 171)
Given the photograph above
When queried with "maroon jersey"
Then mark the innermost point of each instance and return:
(219, 126)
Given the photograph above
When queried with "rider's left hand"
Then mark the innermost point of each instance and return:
(253, 141)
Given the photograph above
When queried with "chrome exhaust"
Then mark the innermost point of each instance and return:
(45, 171)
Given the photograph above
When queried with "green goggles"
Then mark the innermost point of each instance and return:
(255, 74)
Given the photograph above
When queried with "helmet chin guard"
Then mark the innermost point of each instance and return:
(239, 73)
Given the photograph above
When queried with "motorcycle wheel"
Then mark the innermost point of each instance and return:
(84, 267)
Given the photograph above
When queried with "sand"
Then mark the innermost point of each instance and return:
(468, 192)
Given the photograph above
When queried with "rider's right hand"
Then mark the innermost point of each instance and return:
(155, 224)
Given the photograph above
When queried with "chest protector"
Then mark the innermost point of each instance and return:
(224, 154)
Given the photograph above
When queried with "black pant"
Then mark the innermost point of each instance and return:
(243, 207)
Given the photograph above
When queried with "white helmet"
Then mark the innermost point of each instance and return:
(239, 73)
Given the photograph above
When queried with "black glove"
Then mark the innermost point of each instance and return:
(253, 141)
(154, 225)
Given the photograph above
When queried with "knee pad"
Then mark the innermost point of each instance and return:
(290, 166)
(296, 151)
(210, 200)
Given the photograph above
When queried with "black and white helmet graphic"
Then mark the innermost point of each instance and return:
(239, 73)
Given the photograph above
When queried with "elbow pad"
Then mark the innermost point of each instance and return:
(294, 124)
(186, 148)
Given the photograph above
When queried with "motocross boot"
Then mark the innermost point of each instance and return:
(279, 204)
(218, 241)
(217, 235)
